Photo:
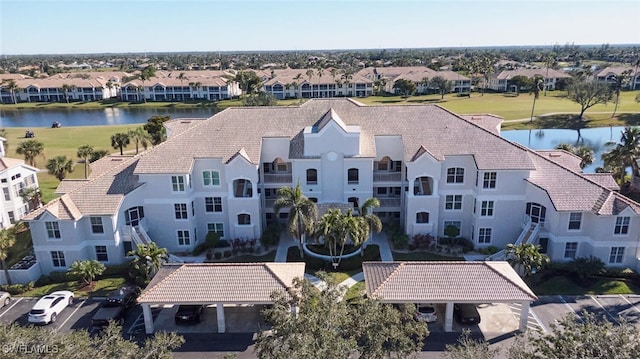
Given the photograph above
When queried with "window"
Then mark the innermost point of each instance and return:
(217, 228)
(312, 176)
(133, 215)
(352, 175)
(242, 188)
(616, 255)
(101, 254)
(7, 196)
(487, 209)
(53, 230)
(211, 178)
(422, 217)
(575, 219)
(96, 225)
(244, 219)
(58, 259)
(456, 224)
(453, 202)
(12, 217)
(484, 235)
(177, 183)
(213, 204)
(489, 180)
(570, 249)
(423, 186)
(536, 212)
(455, 175)
(181, 210)
(622, 225)
(183, 238)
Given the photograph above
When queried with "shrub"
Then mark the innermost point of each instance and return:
(400, 241)
(226, 254)
(17, 289)
(115, 270)
(585, 268)
(212, 239)
(423, 241)
(270, 236)
(217, 255)
(199, 249)
(59, 277)
(43, 280)
(223, 243)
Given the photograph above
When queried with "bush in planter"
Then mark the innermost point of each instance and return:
(223, 243)
(226, 254)
(400, 241)
(199, 249)
(270, 236)
(217, 255)
(212, 240)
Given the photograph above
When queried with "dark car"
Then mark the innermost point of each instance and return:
(189, 313)
(123, 296)
(466, 313)
(115, 306)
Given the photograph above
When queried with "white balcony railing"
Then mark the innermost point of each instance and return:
(387, 176)
(278, 178)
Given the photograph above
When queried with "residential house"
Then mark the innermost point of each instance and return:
(295, 83)
(418, 75)
(501, 80)
(429, 167)
(609, 75)
(15, 176)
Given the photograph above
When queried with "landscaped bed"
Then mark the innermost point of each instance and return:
(423, 256)
(350, 266)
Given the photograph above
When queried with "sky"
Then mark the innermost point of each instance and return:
(142, 26)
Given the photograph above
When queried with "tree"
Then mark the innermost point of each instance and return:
(98, 154)
(443, 85)
(536, 87)
(181, 77)
(119, 141)
(12, 87)
(146, 74)
(586, 267)
(625, 153)
(79, 344)
(30, 149)
(155, 128)
(87, 270)
(65, 88)
(405, 87)
(620, 82)
(588, 94)
(60, 166)
(262, 98)
(302, 212)
(589, 337)
(468, 348)
(520, 82)
(7, 240)
(140, 137)
(32, 196)
(84, 152)
(526, 257)
(248, 81)
(584, 152)
(148, 260)
(327, 327)
(549, 61)
(373, 221)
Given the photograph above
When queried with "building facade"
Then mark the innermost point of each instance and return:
(430, 169)
(15, 177)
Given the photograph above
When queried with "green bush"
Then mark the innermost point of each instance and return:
(199, 249)
(217, 255)
(59, 277)
(400, 241)
(212, 240)
(115, 270)
(17, 289)
(43, 280)
(271, 236)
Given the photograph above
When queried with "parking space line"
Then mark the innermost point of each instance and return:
(568, 306)
(74, 312)
(135, 324)
(535, 316)
(12, 305)
(605, 309)
(627, 300)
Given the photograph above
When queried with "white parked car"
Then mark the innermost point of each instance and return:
(47, 309)
(426, 313)
(5, 299)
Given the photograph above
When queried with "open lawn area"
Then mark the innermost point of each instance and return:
(98, 289)
(347, 268)
(597, 286)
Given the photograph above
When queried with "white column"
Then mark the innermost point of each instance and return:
(220, 314)
(448, 318)
(524, 316)
(148, 319)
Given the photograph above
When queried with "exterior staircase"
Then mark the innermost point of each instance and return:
(529, 235)
(139, 236)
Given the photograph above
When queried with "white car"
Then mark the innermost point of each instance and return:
(426, 313)
(47, 309)
(5, 299)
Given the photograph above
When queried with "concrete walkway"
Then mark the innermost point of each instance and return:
(381, 240)
(350, 282)
(286, 241)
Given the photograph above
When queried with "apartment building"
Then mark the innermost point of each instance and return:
(429, 167)
(501, 81)
(15, 176)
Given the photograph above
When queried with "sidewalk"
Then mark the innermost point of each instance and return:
(286, 241)
(381, 240)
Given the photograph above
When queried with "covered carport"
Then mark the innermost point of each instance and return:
(448, 283)
(217, 284)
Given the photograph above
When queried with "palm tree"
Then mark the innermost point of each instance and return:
(140, 137)
(181, 77)
(7, 240)
(148, 260)
(65, 90)
(110, 87)
(620, 81)
(443, 85)
(536, 87)
(372, 220)
(146, 74)
(84, 152)
(425, 83)
(584, 152)
(12, 87)
(87, 270)
(30, 149)
(337, 229)
(32, 196)
(549, 60)
(526, 257)
(60, 166)
(625, 153)
(302, 212)
(120, 140)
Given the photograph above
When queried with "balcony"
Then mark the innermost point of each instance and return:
(383, 176)
(278, 178)
(389, 201)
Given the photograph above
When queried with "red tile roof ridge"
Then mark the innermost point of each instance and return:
(180, 266)
(398, 265)
(519, 283)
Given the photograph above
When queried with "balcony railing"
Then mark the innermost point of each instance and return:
(389, 201)
(278, 178)
(386, 176)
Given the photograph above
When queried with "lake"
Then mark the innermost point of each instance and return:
(594, 138)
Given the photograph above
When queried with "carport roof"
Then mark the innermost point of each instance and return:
(227, 283)
(441, 282)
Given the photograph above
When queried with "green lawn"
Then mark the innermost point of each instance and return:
(565, 286)
(422, 256)
(100, 288)
(249, 258)
(347, 268)
(23, 247)
(355, 292)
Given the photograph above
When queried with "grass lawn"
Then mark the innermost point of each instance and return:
(347, 268)
(565, 286)
(100, 288)
(355, 292)
(248, 258)
(338, 277)
(422, 256)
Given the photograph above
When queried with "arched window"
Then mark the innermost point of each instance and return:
(312, 176)
(353, 176)
(277, 88)
(422, 217)
(313, 199)
(423, 186)
(244, 219)
(242, 188)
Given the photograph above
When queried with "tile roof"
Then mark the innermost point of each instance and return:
(563, 158)
(201, 283)
(6, 163)
(487, 121)
(605, 180)
(509, 74)
(439, 282)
